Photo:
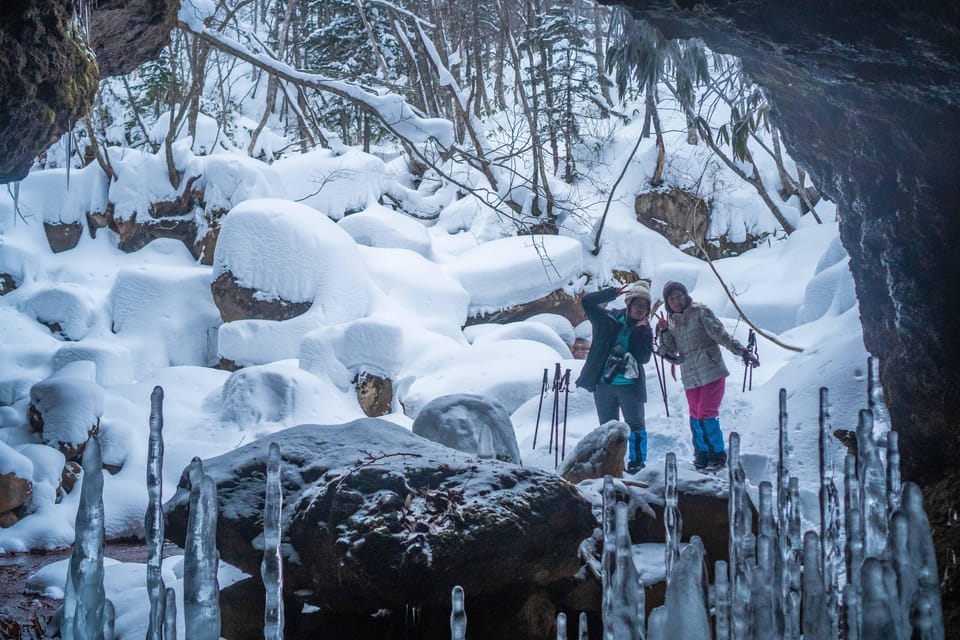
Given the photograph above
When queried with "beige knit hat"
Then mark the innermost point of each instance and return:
(638, 289)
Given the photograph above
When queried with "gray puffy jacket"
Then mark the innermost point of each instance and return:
(695, 335)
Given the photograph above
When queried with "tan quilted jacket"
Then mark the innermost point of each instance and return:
(695, 334)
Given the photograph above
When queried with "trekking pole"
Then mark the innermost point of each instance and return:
(747, 365)
(553, 409)
(662, 380)
(555, 417)
(543, 390)
(565, 382)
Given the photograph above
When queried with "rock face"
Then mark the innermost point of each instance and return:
(867, 97)
(49, 75)
(125, 33)
(458, 419)
(380, 518)
(558, 302)
(236, 302)
(48, 79)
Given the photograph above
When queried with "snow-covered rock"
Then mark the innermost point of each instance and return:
(458, 421)
(378, 226)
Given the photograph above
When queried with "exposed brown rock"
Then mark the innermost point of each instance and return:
(14, 491)
(7, 520)
(62, 236)
(70, 475)
(375, 394)
(240, 303)
(559, 302)
(683, 218)
(598, 454)
(7, 283)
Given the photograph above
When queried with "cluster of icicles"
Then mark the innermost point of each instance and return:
(870, 575)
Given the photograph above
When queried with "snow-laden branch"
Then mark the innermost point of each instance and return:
(393, 111)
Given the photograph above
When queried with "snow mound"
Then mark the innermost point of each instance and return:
(332, 184)
(287, 250)
(172, 308)
(13, 461)
(70, 403)
(45, 194)
(365, 346)
(68, 306)
(526, 330)
(228, 179)
(535, 265)
(378, 226)
(509, 371)
(113, 360)
(831, 289)
(418, 285)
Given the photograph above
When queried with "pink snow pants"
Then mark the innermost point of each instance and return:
(704, 401)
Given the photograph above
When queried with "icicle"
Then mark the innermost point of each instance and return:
(768, 529)
(109, 620)
(768, 526)
(875, 398)
(851, 489)
(816, 621)
(609, 557)
(69, 155)
(583, 633)
(906, 572)
(795, 511)
(877, 623)
(686, 601)
(783, 472)
(561, 626)
(922, 555)
(201, 592)
(153, 520)
(854, 551)
(84, 599)
(673, 523)
(762, 595)
(742, 543)
(721, 591)
(628, 606)
(873, 488)
(170, 615)
(851, 610)
(830, 523)
(658, 624)
(893, 471)
(458, 615)
(794, 595)
(271, 568)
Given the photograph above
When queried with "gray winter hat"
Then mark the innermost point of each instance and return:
(638, 290)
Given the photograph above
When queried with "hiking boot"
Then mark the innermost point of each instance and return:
(700, 460)
(634, 466)
(716, 461)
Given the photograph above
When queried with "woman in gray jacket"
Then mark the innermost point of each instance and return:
(692, 335)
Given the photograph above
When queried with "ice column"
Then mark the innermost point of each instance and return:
(84, 598)
(906, 572)
(893, 471)
(927, 608)
(561, 626)
(851, 606)
(877, 621)
(628, 601)
(875, 400)
(170, 614)
(583, 633)
(873, 488)
(762, 594)
(742, 543)
(153, 519)
(485, 449)
(673, 523)
(817, 624)
(686, 601)
(458, 615)
(201, 591)
(830, 522)
(271, 568)
(721, 591)
(609, 557)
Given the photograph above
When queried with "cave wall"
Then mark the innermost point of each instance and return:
(867, 96)
(50, 69)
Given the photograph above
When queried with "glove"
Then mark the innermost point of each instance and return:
(750, 358)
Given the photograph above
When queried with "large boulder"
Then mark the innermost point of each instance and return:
(378, 518)
(458, 421)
